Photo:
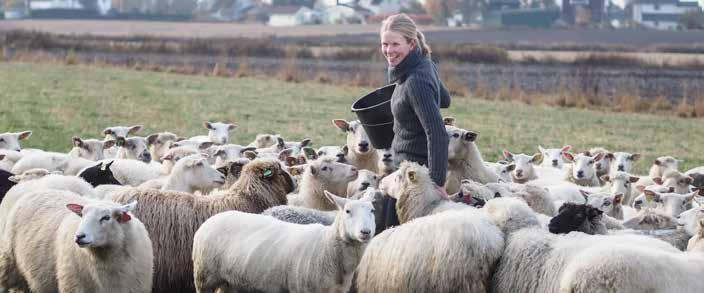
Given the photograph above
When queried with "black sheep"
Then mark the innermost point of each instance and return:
(99, 175)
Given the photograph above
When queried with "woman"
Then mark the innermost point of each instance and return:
(419, 131)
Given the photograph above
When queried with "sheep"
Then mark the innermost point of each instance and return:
(680, 182)
(230, 152)
(464, 160)
(5, 183)
(159, 144)
(535, 260)
(583, 170)
(524, 170)
(361, 153)
(641, 201)
(319, 175)
(625, 267)
(307, 258)
(51, 161)
(688, 220)
(671, 204)
(193, 173)
(232, 171)
(173, 217)
(621, 182)
(91, 149)
(650, 219)
(603, 164)
(502, 169)
(622, 162)
(99, 174)
(697, 175)
(365, 179)
(553, 157)
(386, 163)
(112, 133)
(130, 172)
(662, 165)
(218, 132)
(537, 198)
(11, 140)
(134, 148)
(173, 155)
(696, 243)
(8, 159)
(609, 203)
(32, 174)
(194, 144)
(578, 217)
(56, 241)
(264, 140)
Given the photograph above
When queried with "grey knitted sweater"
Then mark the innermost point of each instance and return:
(419, 131)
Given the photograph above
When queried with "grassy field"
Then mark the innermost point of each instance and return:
(59, 101)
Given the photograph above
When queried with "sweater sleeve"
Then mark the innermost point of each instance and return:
(422, 97)
(444, 93)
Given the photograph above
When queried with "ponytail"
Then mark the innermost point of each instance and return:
(422, 44)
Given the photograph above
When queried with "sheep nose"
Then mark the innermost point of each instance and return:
(363, 145)
(598, 165)
(365, 185)
(366, 231)
(580, 174)
(79, 238)
(621, 168)
(554, 162)
(386, 156)
(471, 136)
(519, 173)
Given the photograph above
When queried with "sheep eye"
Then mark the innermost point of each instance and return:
(105, 218)
(456, 135)
(591, 162)
(373, 211)
(2, 140)
(324, 168)
(347, 211)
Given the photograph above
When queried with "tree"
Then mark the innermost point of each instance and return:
(692, 20)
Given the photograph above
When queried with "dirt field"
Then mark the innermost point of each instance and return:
(656, 58)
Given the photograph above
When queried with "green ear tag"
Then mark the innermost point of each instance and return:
(267, 173)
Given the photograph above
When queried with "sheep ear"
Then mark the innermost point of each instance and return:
(306, 142)
(605, 178)
(220, 152)
(541, 149)
(633, 179)
(251, 149)
(658, 180)
(231, 126)
(75, 208)
(107, 131)
(77, 141)
(2, 156)
(412, 176)
(449, 121)
(657, 162)
(108, 144)
(341, 124)
(204, 145)
(107, 166)
(508, 155)
(291, 161)
(167, 157)
(313, 170)
(618, 198)
(635, 157)
(120, 141)
(207, 125)
(568, 156)
(598, 157)
(585, 194)
(566, 148)
(594, 212)
(250, 155)
(537, 158)
(609, 156)
(134, 129)
(280, 142)
(511, 167)
(24, 135)
(224, 169)
(345, 149)
(285, 154)
(338, 201)
(15, 178)
(152, 138)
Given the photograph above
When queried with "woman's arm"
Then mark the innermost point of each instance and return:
(422, 97)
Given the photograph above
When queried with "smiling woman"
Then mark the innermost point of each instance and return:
(419, 130)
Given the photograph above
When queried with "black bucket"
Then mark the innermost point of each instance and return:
(374, 112)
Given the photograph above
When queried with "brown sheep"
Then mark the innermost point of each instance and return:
(172, 218)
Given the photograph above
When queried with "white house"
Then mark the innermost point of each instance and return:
(293, 15)
(661, 14)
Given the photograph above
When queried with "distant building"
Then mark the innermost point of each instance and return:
(583, 12)
(660, 14)
(292, 15)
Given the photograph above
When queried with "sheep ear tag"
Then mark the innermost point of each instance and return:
(267, 173)
(124, 217)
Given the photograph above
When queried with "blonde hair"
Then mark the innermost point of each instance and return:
(404, 25)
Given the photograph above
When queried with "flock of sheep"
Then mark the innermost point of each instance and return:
(162, 213)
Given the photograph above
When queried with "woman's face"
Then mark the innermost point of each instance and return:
(395, 47)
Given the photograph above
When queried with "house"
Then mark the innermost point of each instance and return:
(291, 15)
(660, 14)
(583, 12)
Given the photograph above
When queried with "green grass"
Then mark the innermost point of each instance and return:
(58, 101)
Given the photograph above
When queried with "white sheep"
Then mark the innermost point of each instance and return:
(670, 203)
(603, 164)
(361, 153)
(8, 159)
(681, 183)
(502, 169)
(622, 162)
(524, 170)
(112, 133)
(662, 165)
(306, 258)
(51, 161)
(218, 132)
(134, 148)
(365, 179)
(194, 144)
(56, 241)
(32, 174)
(621, 182)
(553, 157)
(229, 152)
(386, 161)
(318, 176)
(464, 160)
(193, 173)
(91, 149)
(264, 140)
(160, 143)
(173, 155)
(583, 170)
(11, 140)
